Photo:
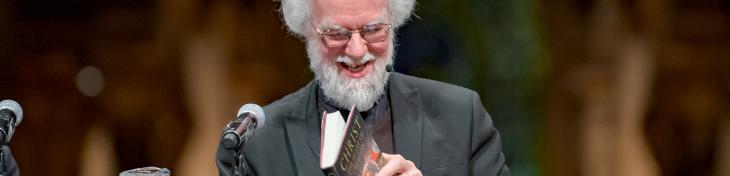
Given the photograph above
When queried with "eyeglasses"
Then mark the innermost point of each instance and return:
(338, 37)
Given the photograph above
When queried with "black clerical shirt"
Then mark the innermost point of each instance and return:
(378, 118)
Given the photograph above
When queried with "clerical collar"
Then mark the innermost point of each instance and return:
(378, 118)
(380, 107)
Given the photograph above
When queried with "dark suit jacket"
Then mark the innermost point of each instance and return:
(442, 128)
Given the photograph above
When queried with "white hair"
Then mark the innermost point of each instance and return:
(341, 90)
(297, 14)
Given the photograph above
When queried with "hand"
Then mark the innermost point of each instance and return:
(397, 165)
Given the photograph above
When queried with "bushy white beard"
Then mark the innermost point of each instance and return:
(344, 91)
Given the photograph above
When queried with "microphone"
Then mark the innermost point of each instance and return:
(389, 68)
(250, 117)
(10, 117)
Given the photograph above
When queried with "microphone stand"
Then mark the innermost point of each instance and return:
(238, 132)
(240, 168)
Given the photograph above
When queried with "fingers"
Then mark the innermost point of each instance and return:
(394, 164)
(397, 165)
(412, 172)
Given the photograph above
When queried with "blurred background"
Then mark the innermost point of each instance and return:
(576, 87)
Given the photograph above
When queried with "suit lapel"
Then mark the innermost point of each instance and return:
(302, 126)
(313, 121)
(407, 124)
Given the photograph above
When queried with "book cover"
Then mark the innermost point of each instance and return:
(355, 153)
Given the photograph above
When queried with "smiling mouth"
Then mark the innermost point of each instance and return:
(354, 68)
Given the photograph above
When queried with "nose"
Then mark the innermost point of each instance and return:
(356, 47)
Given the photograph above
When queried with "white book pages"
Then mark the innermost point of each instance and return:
(334, 127)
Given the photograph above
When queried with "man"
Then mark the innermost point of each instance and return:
(423, 127)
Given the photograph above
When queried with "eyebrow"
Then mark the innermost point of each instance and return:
(329, 24)
(379, 19)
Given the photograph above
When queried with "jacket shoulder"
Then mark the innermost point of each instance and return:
(441, 101)
(272, 136)
(289, 104)
(437, 90)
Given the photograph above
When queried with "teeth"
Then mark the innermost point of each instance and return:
(354, 68)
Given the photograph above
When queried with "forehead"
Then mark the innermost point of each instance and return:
(348, 13)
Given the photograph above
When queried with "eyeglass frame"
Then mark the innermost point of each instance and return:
(351, 32)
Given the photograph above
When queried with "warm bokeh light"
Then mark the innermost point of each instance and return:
(575, 87)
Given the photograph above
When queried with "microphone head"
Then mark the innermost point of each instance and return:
(15, 108)
(256, 111)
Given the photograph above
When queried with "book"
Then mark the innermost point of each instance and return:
(348, 148)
